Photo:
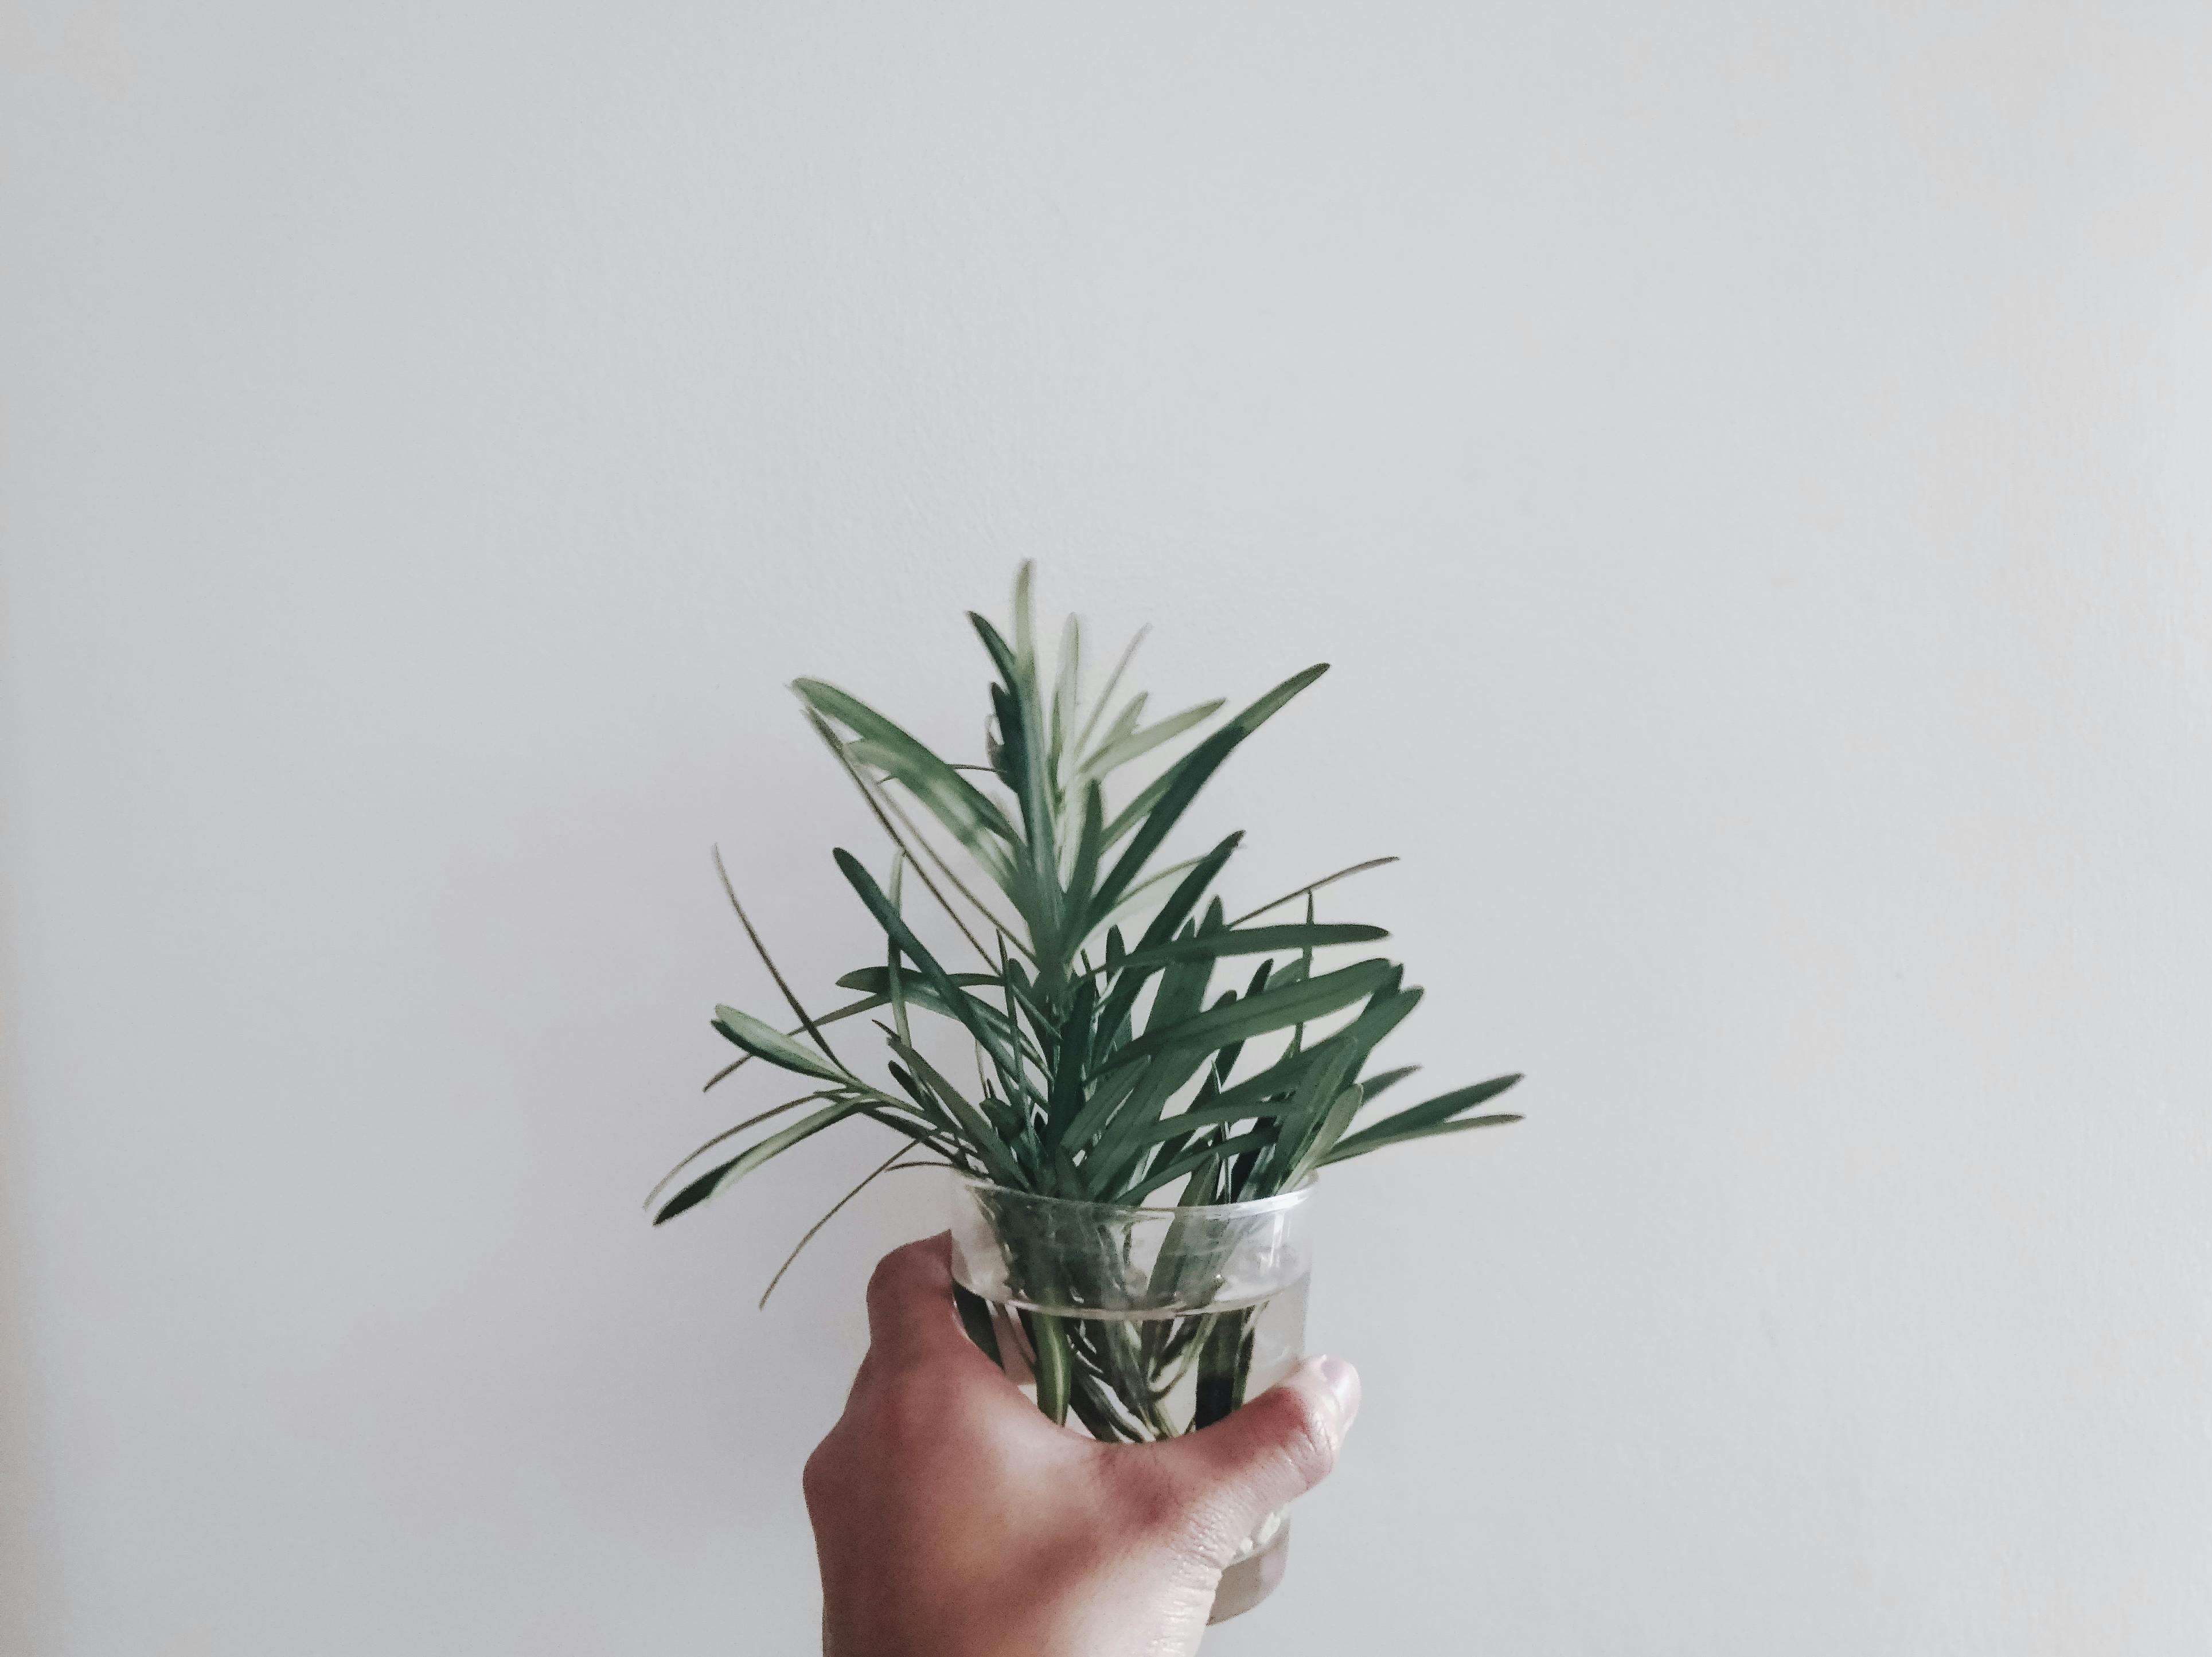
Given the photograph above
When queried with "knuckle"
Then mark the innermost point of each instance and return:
(901, 1273)
(819, 1479)
(1204, 1522)
(1151, 1497)
(910, 1408)
(892, 1272)
(909, 1414)
(1303, 1436)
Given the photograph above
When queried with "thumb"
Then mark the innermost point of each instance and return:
(1273, 1449)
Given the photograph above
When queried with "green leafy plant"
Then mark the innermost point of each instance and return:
(1108, 1070)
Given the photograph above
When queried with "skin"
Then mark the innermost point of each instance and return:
(952, 1520)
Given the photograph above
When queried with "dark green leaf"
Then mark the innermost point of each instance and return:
(729, 1133)
(1324, 1139)
(1372, 1087)
(1106, 1097)
(1084, 875)
(1129, 985)
(1278, 1007)
(870, 981)
(1430, 1111)
(888, 916)
(720, 1179)
(920, 992)
(1359, 1145)
(1255, 940)
(1188, 776)
(977, 1125)
(1201, 762)
(765, 1040)
(1318, 1101)
(1190, 1162)
(950, 798)
(1214, 1115)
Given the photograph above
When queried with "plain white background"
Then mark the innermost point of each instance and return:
(1748, 466)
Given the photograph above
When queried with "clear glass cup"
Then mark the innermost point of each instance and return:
(1135, 1324)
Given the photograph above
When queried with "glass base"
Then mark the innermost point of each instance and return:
(1252, 1578)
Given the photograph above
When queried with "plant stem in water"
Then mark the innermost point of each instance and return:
(975, 1318)
(1048, 1341)
(1225, 1361)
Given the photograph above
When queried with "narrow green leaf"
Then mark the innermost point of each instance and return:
(920, 993)
(1106, 1097)
(1200, 762)
(1025, 613)
(729, 1133)
(1308, 889)
(890, 1164)
(895, 924)
(1110, 1161)
(1278, 1007)
(952, 799)
(1106, 691)
(985, 1137)
(1066, 692)
(1182, 993)
(1216, 1115)
(765, 1040)
(1129, 985)
(1085, 874)
(1167, 1143)
(1324, 1139)
(1112, 755)
(1021, 732)
(1126, 721)
(870, 980)
(1390, 1007)
(1319, 1098)
(790, 996)
(722, 1179)
(1072, 1061)
(884, 805)
(1224, 1061)
(925, 1131)
(1189, 1163)
(851, 1009)
(1256, 940)
(1372, 1087)
(1279, 1081)
(1003, 655)
(1133, 899)
(1181, 901)
(1359, 1145)
(1430, 1112)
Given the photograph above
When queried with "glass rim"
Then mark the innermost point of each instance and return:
(1282, 1199)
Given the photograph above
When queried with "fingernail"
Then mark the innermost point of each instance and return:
(1344, 1386)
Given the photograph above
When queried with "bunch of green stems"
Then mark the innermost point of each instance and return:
(1108, 1068)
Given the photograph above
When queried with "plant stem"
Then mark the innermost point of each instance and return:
(1048, 1342)
(975, 1318)
(1225, 1361)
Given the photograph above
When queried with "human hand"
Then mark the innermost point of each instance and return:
(953, 1520)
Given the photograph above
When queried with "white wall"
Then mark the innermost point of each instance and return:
(1749, 466)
